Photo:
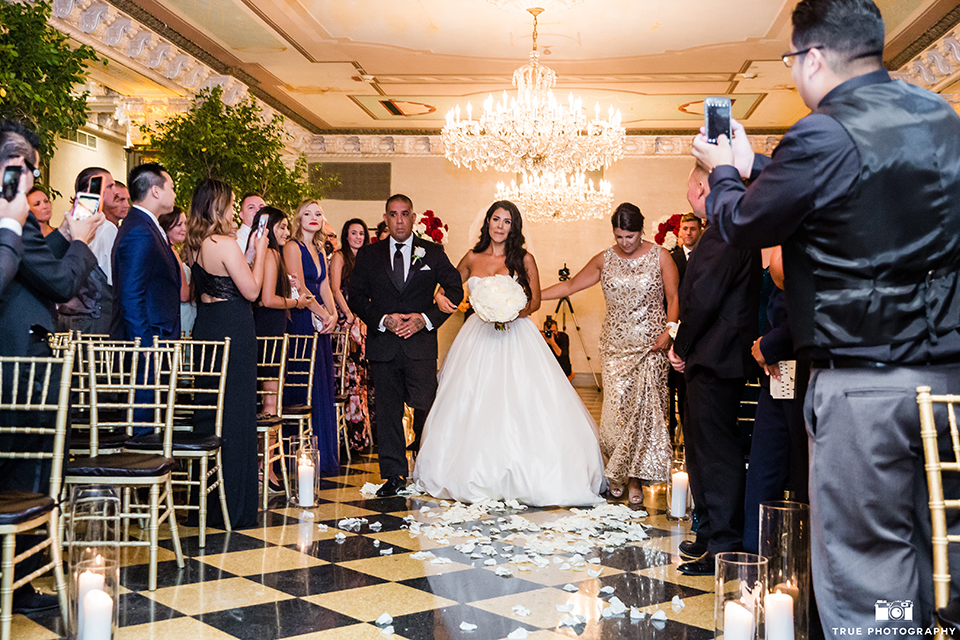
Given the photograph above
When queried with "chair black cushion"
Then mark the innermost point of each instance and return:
(22, 506)
(296, 410)
(266, 422)
(182, 441)
(950, 614)
(124, 465)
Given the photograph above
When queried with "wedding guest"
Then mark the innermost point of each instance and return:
(635, 276)
(224, 286)
(691, 227)
(306, 262)
(91, 310)
(13, 215)
(382, 232)
(174, 224)
(353, 236)
(119, 206)
(329, 240)
(42, 210)
(250, 203)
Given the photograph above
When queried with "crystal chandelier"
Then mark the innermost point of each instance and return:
(533, 133)
(556, 198)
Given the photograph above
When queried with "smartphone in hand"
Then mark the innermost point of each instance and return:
(85, 205)
(96, 185)
(262, 226)
(11, 182)
(716, 117)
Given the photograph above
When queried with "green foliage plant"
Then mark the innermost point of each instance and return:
(235, 144)
(41, 73)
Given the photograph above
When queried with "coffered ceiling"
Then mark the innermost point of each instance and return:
(399, 65)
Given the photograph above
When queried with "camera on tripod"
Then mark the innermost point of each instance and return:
(564, 273)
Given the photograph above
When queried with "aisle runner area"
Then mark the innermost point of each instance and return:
(324, 573)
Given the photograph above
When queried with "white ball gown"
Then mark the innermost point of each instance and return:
(507, 424)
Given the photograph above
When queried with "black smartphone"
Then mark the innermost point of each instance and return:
(11, 182)
(96, 185)
(716, 118)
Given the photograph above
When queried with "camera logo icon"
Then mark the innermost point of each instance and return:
(894, 610)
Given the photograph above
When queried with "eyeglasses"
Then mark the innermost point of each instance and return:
(788, 57)
(31, 168)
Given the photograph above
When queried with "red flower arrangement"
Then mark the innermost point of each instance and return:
(667, 227)
(430, 227)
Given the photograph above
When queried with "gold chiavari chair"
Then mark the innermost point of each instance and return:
(935, 467)
(341, 354)
(201, 387)
(138, 386)
(29, 387)
(271, 357)
(297, 373)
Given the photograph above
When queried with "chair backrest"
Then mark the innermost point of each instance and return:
(134, 385)
(297, 372)
(341, 353)
(935, 467)
(203, 376)
(31, 389)
(271, 358)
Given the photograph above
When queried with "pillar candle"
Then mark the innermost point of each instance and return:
(737, 622)
(305, 476)
(97, 620)
(88, 581)
(678, 500)
(779, 616)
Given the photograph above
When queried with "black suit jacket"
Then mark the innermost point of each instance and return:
(51, 270)
(146, 282)
(11, 250)
(719, 304)
(680, 259)
(373, 295)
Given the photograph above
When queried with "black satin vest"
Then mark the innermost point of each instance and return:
(881, 266)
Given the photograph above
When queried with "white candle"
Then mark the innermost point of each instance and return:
(89, 581)
(737, 622)
(305, 476)
(678, 500)
(779, 616)
(97, 620)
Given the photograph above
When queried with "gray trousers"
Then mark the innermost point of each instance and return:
(870, 519)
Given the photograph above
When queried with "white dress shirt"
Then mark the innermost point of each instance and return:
(243, 235)
(13, 225)
(686, 251)
(406, 249)
(102, 247)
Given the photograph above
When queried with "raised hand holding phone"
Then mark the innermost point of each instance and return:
(14, 203)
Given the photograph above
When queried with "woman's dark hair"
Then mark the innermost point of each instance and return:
(169, 220)
(38, 189)
(513, 247)
(627, 217)
(349, 259)
(274, 217)
(381, 227)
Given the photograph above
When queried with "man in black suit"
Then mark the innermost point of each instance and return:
(146, 275)
(51, 270)
(718, 323)
(392, 290)
(691, 227)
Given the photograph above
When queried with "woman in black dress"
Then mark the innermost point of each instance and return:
(224, 287)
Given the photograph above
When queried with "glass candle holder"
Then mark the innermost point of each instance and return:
(678, 491)
(785, 542)
(306, 467)
(93, 547)
(741, 584)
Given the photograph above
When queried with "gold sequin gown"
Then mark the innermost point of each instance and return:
(633, 425)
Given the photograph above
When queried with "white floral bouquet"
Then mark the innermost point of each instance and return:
(498, 299)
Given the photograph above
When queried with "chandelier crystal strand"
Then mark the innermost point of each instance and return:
(558, 198)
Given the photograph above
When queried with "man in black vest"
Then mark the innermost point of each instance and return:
(864, 196)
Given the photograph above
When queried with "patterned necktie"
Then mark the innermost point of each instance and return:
(398, 266)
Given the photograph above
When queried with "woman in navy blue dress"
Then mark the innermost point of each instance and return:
(306, 262)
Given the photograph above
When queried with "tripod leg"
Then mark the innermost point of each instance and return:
(583, 345)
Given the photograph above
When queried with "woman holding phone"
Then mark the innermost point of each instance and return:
(306, 262)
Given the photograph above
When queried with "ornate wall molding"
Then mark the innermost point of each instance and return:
(937, 66)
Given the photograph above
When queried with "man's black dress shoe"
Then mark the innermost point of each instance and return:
(705, 566)
(692, 549)
(391, 486)
(35, 602)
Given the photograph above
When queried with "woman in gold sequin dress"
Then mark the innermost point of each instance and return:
(636, 276)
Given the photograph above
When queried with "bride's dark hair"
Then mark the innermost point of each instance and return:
(513, 247)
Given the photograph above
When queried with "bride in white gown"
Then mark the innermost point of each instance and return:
(506, 424)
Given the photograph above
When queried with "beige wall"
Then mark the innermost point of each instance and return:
(460, 198)
(71, 158)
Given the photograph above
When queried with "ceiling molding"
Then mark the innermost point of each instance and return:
(937, 66)
(930, 36)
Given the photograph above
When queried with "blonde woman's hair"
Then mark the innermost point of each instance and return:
(297, 234)
(210, 214)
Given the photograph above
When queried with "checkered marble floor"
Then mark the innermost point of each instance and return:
(287, 578)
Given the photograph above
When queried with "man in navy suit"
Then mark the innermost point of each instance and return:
(391, 289)
(146, 276)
